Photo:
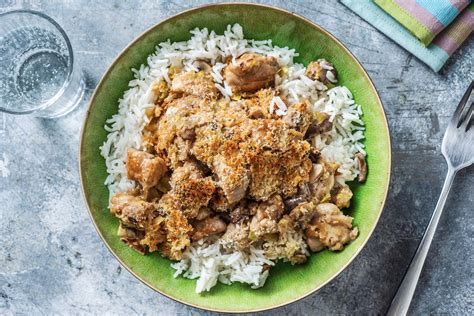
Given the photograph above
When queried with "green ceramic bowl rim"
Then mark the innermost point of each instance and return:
(177, 16)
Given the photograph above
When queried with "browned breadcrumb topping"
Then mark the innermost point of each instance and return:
(211, 166)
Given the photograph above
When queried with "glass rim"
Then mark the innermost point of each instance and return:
(70, 67)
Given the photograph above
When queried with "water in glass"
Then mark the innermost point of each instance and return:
(37, 72)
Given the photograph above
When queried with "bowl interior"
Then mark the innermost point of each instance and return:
(286, 283)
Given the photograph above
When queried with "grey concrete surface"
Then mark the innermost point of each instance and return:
(53, 262)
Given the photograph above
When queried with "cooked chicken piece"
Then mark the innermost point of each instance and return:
(195, 83)
(341, 196)
(190, 190)
(131, 237)
(259, 104)
(320, 124)
(179, 152)
(145, 168)
(329, 228)
(207, 227)
(174, 133)
(321, 70)
(295, 167)
(298, 117)
(177, 232)
(362, 166)
(132, 210)
(237, 236)
(232, 177)
(273, 134)
(151, 225)
(279, 159)
(266, 176)
(289, 249)
(302, 214)
(209, 139)
(288, 244)
(203, 213)
(273, 172)
(239, 213)
(223, 135)
(314, 244)
(266, 216)
(251, 72)
(155, 233)
(272, 208)
(189, 170)
(219, 202)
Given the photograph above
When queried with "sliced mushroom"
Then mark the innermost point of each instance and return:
(321, 124)
(201, 65)
(323, 182)
(362, 165)
(314, 154)
(293, 202)
(321, 70)
(316, 172)
(303, 195)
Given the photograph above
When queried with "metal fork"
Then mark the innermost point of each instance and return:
(458, 150)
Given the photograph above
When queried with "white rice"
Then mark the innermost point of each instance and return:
(207, 261)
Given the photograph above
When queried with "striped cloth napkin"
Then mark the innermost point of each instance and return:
(430, 29)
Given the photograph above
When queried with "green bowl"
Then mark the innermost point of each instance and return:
(286, 283)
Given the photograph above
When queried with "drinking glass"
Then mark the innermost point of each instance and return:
(37, 71)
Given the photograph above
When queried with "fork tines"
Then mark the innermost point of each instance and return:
(461, 115)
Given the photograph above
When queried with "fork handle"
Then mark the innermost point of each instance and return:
(401, 301)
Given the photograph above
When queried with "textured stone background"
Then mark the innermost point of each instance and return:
(52, 260)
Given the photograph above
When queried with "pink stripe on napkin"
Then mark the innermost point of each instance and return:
(422, 15)
(459, 4)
